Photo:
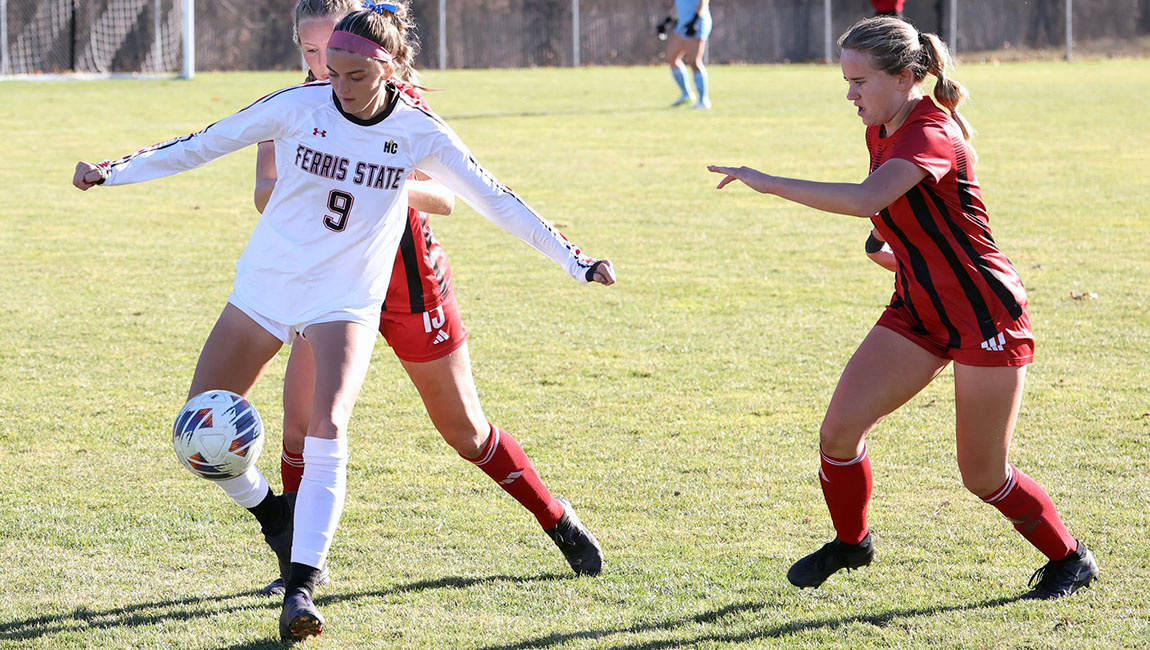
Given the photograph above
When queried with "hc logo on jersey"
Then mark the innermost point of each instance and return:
(391, 147)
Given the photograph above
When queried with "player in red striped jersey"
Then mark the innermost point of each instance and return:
(422, 324)
(957, 298)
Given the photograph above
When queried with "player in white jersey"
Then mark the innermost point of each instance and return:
(319, 260)
(423, 326)
(692, 28)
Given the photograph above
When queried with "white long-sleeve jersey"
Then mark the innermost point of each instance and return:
(328, 237)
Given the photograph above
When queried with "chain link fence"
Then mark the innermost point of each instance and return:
(74, 35)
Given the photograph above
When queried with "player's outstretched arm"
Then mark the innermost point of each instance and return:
(450, 162)
(884, 186)
(87, 175)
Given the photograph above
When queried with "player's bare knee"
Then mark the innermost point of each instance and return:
(294, 434)
(982, 483)
(466, 440)
(838, 439)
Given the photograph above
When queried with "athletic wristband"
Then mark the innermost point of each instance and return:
(873, 244)
(591, 271)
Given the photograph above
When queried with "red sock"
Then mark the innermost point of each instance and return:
(504, 461)
(291, 470)
(846, 488)
(1033, 514)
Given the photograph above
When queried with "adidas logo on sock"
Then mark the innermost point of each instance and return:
(511, 478)
(441, 337)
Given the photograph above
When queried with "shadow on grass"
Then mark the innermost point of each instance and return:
(716, 617)
(185, 609)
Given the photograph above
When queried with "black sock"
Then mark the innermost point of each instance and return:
(303, 577)
(271, 514)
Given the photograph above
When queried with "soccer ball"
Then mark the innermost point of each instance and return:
(218, 435)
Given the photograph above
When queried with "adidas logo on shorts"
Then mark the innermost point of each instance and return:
(441, 337)
(994, 343)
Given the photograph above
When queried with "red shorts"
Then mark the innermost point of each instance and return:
(424, 336)
(1014, 345)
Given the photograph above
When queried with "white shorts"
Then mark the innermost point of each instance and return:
(287, 332)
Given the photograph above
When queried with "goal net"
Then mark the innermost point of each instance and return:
(95, 37)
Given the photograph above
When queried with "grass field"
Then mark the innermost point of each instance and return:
(677, 410)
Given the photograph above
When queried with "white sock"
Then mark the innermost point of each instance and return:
(319, 503)
(247, 489)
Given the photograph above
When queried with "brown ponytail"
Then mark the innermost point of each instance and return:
(393, 31)
(895, 45)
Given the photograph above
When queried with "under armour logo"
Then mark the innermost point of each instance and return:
(511, 478)
(316, 131)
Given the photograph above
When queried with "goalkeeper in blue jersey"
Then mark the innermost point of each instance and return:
(689, 39)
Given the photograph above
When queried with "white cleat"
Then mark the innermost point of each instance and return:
(703, 105)
(685, 99)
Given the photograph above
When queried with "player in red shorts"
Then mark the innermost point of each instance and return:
(957, 298)
(422, 324)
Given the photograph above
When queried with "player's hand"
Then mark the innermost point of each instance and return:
(752, 178)
(602, 272)
(692, 28)
(87, 175)
(662, 28)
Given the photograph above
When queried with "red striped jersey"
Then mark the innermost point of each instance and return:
(952, 280)
(421, 275)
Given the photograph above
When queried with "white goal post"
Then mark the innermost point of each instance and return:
(47, 39)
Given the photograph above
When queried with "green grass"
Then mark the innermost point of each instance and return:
(678, 410)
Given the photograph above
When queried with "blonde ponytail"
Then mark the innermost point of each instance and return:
(947, 92)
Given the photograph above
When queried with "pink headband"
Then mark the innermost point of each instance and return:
(342, 40)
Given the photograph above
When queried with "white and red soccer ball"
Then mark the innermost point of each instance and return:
(218, 435)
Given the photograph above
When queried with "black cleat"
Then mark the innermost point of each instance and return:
(579, 546)
(280, 543)
(1060, 578)
(299, 619)
(814, 569)
(276, 587)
